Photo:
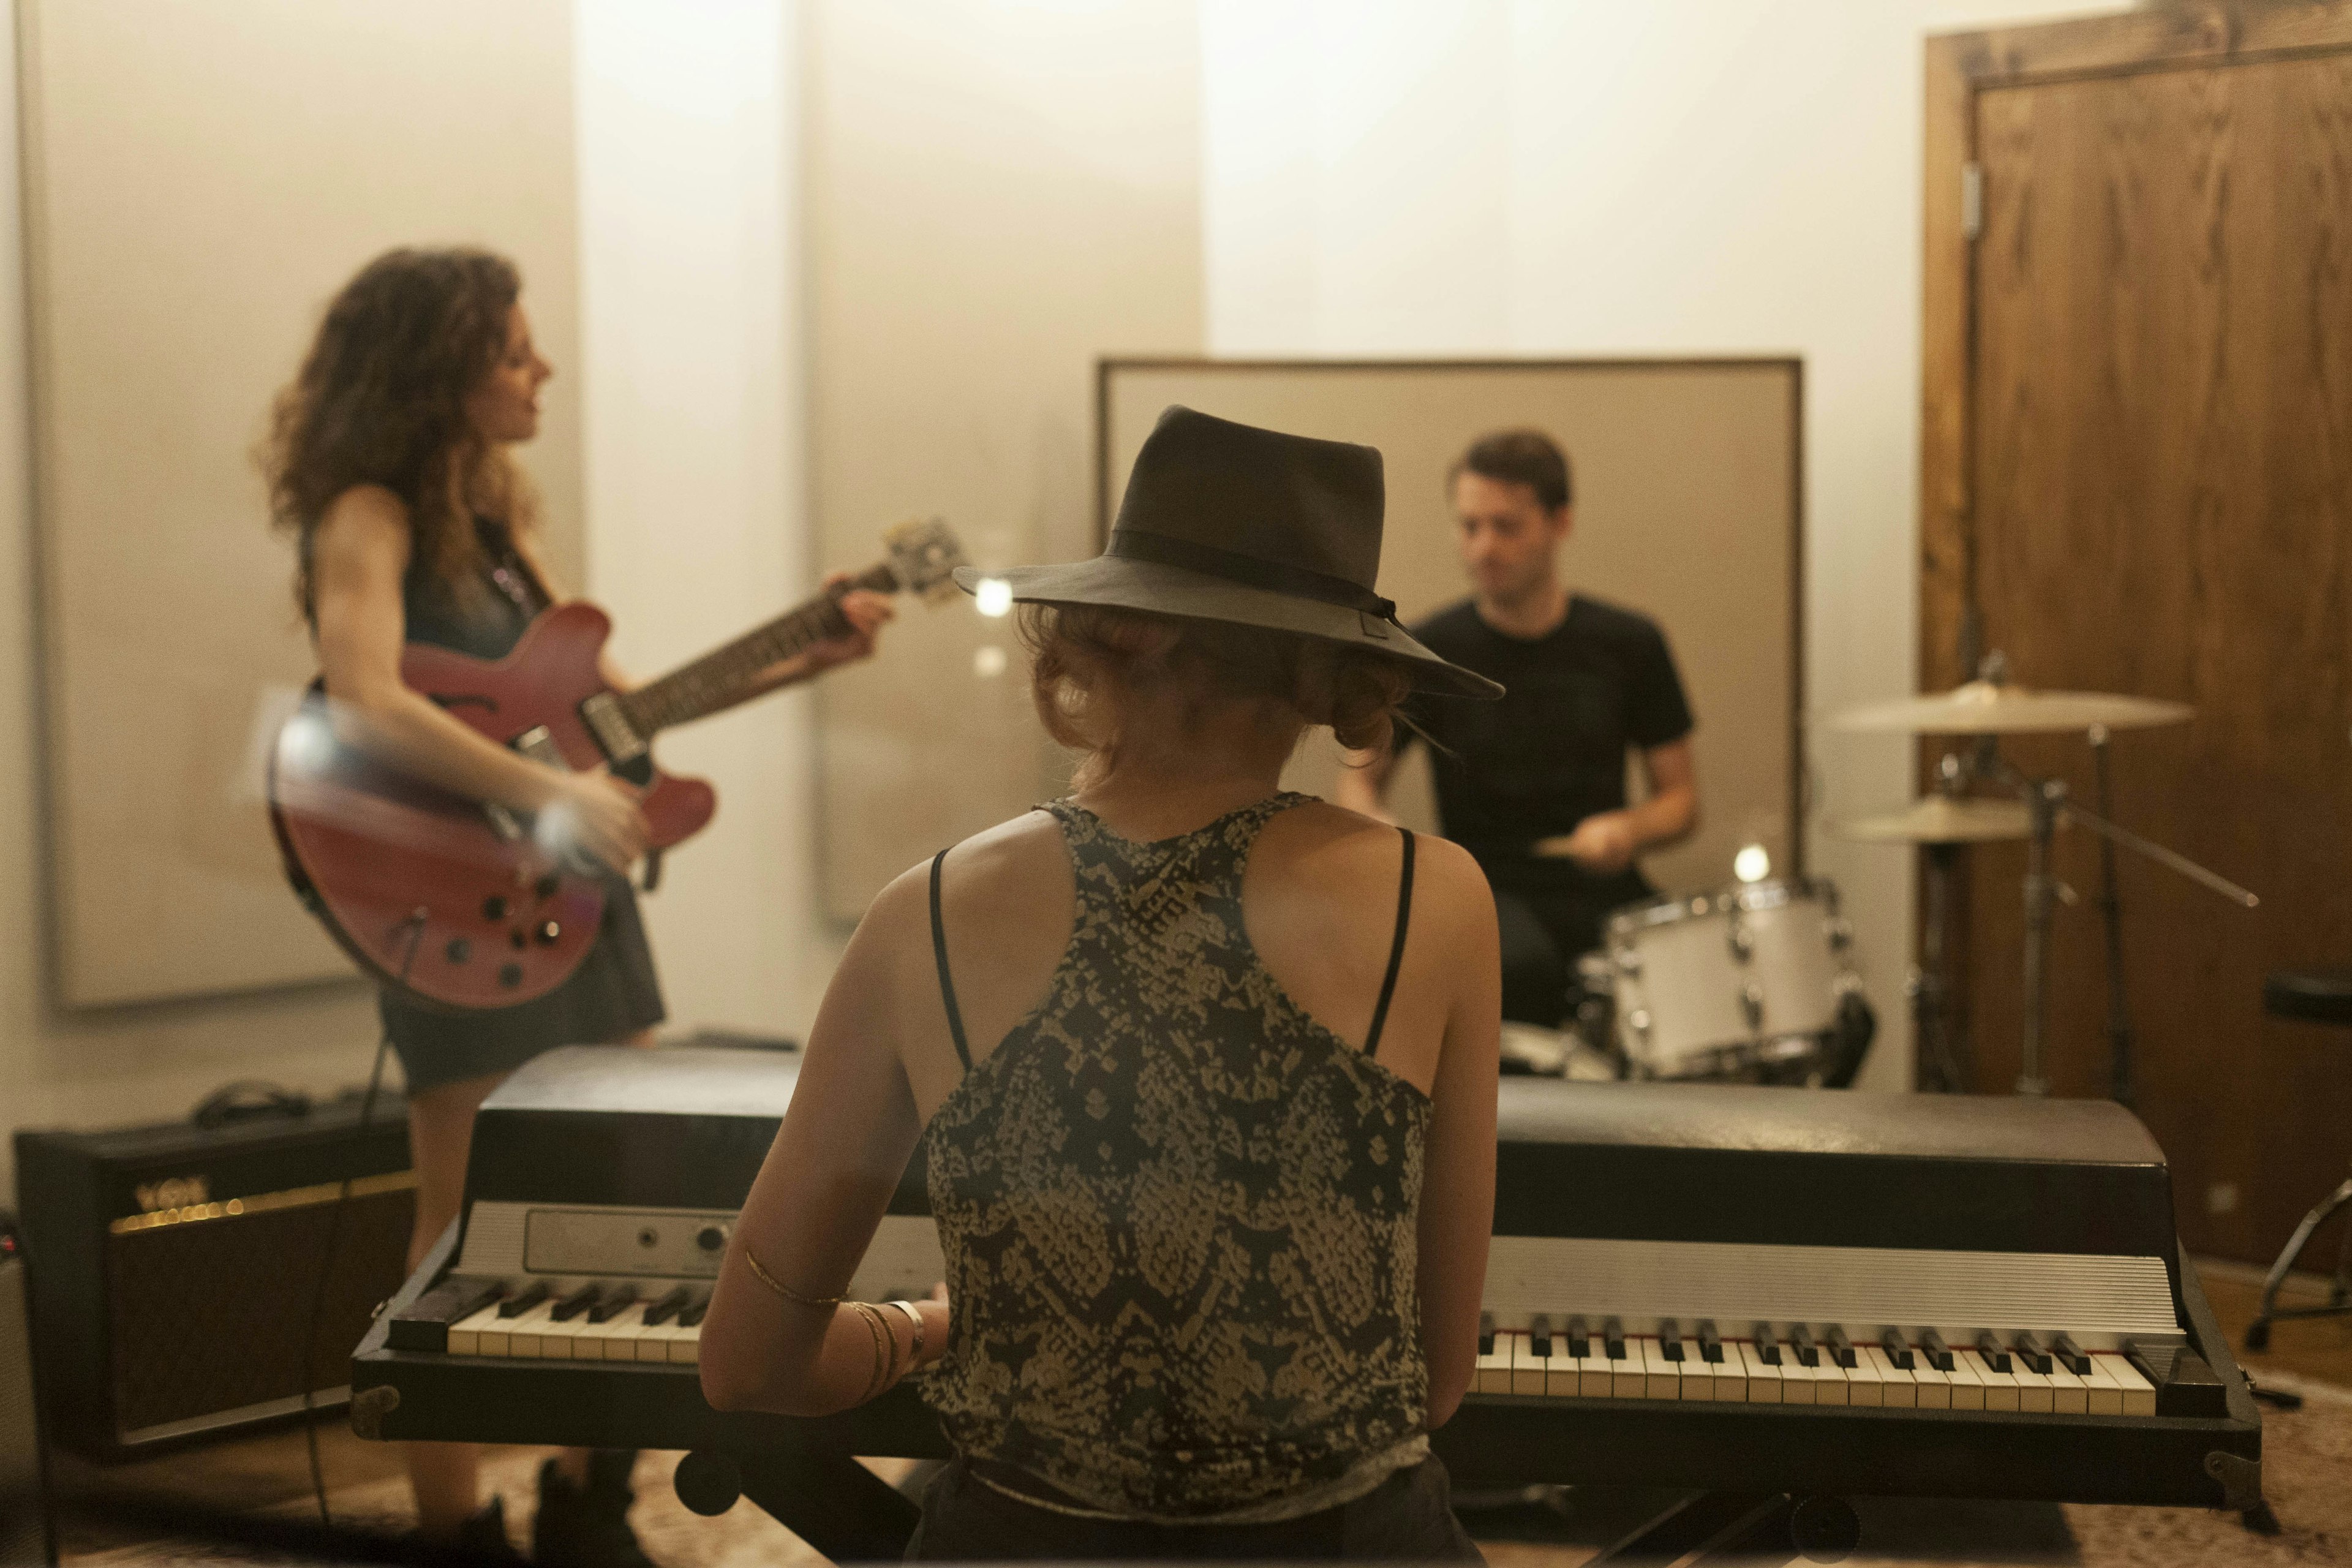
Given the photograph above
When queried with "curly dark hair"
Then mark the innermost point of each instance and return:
(380, 399)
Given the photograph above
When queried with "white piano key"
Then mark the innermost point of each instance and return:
(1797, 1385)
(2139, 1394)
(1968, 1388)
(523, 1330)
(1698, 1376)
(2070, 1395)
(1527, 1367)
(617, 1337)
(1728, 1377)
(1596, 1375)
(1933, 1388)
(568, 1340)
(2036, 1396)
(1763, 1381)
(2000, 1387)
(684, 1344)
(1562, 1379)
(1662, 1379)
(2101, 1391)
(1864, 1383)
(1494, 1366)
(1628, 1376)
(1830, 1384)
(465, 1335)
(1899, 1388)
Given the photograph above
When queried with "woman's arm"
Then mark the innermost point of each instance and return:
(359, 555)
(822, 1191)
(1457, 1195)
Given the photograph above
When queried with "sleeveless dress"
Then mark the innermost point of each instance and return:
(1179, 1220)
(613, 994)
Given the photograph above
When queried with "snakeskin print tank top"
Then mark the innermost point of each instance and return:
(1178, 1214)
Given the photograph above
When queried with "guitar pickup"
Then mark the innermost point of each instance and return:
(609, 724)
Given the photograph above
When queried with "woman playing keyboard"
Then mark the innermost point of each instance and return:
(1202, 1073)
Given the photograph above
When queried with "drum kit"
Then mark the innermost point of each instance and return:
(1757, 983)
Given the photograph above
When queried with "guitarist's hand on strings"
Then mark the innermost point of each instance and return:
(594, 816)
(867, 613)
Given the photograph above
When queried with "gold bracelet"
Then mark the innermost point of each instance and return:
(882, 1336)
(891, 1377)
(915, 1356)
(783, 1289)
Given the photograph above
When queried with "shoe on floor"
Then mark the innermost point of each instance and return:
(587, 1527)
(480, 1542)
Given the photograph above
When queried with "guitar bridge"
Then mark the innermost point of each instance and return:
(605, 720)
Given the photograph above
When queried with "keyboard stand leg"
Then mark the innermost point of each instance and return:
(831, 1501)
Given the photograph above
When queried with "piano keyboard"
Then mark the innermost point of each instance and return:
(607, 1322)
(1778, 1370)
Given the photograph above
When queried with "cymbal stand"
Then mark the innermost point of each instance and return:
(1936, 1042)
(2120, 1040)
(2046, 799)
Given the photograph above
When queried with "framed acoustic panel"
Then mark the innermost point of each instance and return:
(201, 176)
(1690, 508)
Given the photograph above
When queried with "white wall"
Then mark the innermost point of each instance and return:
(691, 332)
(1547, 178)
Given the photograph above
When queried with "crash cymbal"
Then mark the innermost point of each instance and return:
(1981, 708)
(1943, 819)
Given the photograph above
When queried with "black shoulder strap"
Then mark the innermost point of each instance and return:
(1396, 948)
(946, 984)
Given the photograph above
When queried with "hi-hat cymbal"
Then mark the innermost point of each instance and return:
(1943, 819)
(1981, 708)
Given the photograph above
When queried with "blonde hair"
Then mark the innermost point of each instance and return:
(1084, 659)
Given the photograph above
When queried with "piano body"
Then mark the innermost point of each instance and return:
(1765, 1290)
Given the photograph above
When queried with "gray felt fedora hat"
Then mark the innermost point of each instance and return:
(1229, 522)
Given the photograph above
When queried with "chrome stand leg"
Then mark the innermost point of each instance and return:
(2258, 1332)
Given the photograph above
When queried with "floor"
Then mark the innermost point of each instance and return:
(114, 1519)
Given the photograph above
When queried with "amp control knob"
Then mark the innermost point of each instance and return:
(711, 1237)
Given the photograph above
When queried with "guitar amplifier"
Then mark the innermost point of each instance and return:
(176, 1267)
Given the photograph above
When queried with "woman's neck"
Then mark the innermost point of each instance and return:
(1177, 770)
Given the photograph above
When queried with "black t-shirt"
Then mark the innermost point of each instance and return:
(1551, 750)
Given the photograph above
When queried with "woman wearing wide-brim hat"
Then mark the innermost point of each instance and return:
(1203, 1073)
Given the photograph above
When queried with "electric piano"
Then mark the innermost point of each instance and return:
(1770, 1290)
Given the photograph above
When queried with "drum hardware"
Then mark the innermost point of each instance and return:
(1987, 708)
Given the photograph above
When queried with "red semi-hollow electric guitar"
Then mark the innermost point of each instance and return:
(454, 901)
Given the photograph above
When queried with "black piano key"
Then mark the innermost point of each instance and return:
(1990, 1348)
(1539, 1335)
(1767, 1345)
(1486, 1333)
(579, 1301)
(1841, 1349)
(1613, 1339)
(690, 1316)
(2029, 1351)
(615, 1301)
(1891, 1342)
(668, 1307)
(1580, 1339)
(2070, 1355)
(1932, 1346)
(1670, 1339)
(1710, 1345)
(1800, 1340)
(424, 1325)
(516, 1306)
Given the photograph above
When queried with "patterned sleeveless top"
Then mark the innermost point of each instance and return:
(1178, 1214)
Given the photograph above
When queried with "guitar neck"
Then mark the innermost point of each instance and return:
(718, 678)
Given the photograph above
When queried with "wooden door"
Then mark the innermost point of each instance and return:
(2139, 471)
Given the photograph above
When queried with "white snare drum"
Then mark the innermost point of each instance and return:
(1720, 984)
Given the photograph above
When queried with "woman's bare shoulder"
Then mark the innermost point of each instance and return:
(1327, 839)
(367, 518)
(997, 865)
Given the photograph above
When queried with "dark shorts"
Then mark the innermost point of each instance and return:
(1407, 1518)
(612, 995)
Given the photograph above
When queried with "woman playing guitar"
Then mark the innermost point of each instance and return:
(388, 463)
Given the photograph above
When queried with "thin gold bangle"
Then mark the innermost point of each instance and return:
(759, 1273)
(886, 1350)
(915, 1354)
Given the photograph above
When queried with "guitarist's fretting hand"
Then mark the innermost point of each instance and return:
(867, 613)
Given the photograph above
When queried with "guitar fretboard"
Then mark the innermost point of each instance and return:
(718, 677)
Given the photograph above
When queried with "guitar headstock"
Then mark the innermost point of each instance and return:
(924, 555)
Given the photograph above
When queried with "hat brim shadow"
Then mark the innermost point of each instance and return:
(1163, 590)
